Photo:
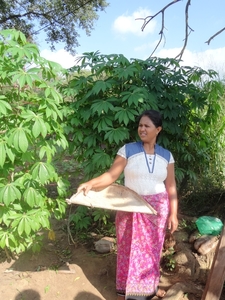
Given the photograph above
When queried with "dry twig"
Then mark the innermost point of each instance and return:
(212, 37)
(188, 29)
(150, 18)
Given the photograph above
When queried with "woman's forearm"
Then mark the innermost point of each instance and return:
(101, 181)
(106, 178)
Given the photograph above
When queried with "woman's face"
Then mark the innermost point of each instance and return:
(147, 130)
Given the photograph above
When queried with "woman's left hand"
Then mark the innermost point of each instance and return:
(172, 223)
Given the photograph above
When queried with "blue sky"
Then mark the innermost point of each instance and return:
(118, 31)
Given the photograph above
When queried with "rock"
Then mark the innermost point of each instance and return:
(177, 291)
(105, 245)
(194, 236)
(202, 239)
(206, 244)
(186, 263)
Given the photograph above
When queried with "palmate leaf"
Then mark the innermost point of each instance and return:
(28, 115)
(4, 212)
(103, 123)
(24, 226)
(39, 127)
(18, 139)
(9, 193)
(101, 85)
(2, 153)
(14, 35)
(101, 106)
(25, 223)
(124, 73)
(7, 239)
(125, 115)
(4, 106)
(43, 172)
(90, 141)
(10, 153)
(46, 151)
(23, 79)
(101, 159)
(32, 196)
(135, 96)
(115, 135)
(51, 109)
(43, 218)
(52, 91)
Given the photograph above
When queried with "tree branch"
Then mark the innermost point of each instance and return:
(188, 30)
(161, 35)
(68, 13)
(150, 18)
(212, 37)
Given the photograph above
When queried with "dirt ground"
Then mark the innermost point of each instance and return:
(64, 271)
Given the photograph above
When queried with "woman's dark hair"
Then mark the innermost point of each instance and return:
(153, 115)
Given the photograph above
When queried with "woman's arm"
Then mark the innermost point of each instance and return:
(106, 178)
(172, 193)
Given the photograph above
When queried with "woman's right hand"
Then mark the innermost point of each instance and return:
(85, 187)
(106, 178)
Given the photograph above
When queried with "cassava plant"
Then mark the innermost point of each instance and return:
(106, 93)
(30, 134)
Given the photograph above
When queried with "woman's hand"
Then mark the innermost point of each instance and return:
(172, 223)
(85, 187)
(106, 178)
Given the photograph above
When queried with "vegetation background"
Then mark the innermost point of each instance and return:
(59, 127)
(88, 112)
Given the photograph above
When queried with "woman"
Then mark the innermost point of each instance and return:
(149, 171)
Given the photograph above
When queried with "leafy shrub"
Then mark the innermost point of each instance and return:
(31, 133)
(106, 93)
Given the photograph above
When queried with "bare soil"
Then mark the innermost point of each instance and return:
(67, 271)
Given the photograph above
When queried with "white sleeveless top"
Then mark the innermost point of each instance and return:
(144, 173)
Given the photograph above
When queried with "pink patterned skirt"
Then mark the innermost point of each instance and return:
(140, 240)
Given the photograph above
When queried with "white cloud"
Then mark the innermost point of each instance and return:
(64, 58)
(146, 47)
(209, 59)
(129, 24)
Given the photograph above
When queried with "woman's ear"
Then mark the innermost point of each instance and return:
(159, 129)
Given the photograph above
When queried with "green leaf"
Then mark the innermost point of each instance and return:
(43, 218)
(6, 239)
(24, 225)
(103, 123)
(115, 135)
(125, 73)
(51, 91)
(125, 115)
(100, 106)
(43, 172)
(4, 212)
(90, 141)
(39, 127)
(10, 153)
(101, 85)
(101, 159)
(4, 106)
(32, 197)
(19, 139)
(2, 153)
(28, 115)
(9, 193)
(46, 151)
